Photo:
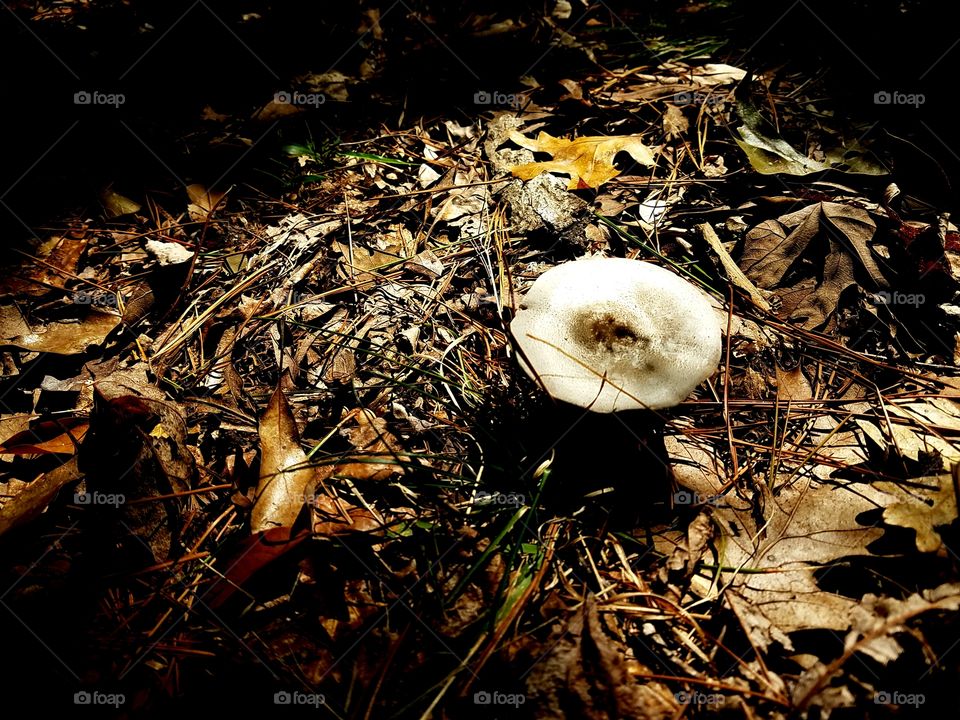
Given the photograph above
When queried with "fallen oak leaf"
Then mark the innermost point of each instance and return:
(922, 507)
(767, 558)
(834, 236)
(587, 160)
(878, 619)
(871, 635)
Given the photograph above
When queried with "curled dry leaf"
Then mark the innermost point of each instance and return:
(45, 438)
(59, 258)
(202, 202)
(379, 454)
(584, 675)
(337, 517)
(286, 475)
(30, 499)
(587, 160)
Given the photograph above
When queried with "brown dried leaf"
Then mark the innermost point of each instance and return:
(32, 498)
(59, 256)
(276, 110)
(338, 517)
(793, 385)
(924, 504)
(59, 338)
(675, 123)
(817, 306)
(915, 428)
(587, 160)
(202, 202)
(286, 475)
(768, 255)
(584, 674)
(845, 232)
(769, 561)
(136, 449)
(398, 244)
(49, 437)
(874, 622)
(253, 554)
(358, 604)
(116, 205)
(379, 454)
(61, 264)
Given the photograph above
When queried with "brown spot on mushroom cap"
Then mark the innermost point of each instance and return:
(591, 328)
(614, 334)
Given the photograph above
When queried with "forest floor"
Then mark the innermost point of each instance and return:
(264, 437)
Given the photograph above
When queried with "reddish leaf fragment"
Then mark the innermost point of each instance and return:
(253, 554)
(47, 437)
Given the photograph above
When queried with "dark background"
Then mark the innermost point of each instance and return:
(170, 59)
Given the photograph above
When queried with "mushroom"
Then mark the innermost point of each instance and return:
(612, 334)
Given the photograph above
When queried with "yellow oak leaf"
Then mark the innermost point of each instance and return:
(587, 160)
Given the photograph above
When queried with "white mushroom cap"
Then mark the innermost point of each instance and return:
(613, 334)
